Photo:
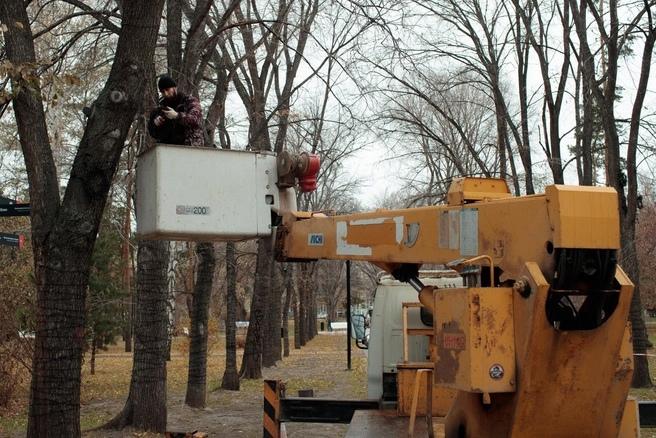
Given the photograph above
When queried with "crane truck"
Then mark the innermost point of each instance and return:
(534, 342)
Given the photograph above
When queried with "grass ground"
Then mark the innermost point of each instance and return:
(321, 365)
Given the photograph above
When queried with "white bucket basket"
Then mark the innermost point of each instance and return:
(187, 193)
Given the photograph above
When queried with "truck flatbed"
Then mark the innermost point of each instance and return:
(386, 423)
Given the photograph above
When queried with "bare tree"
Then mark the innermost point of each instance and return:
(553, 96)
(614, 38)
(271, 37)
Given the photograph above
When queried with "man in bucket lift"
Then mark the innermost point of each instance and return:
(178, 119)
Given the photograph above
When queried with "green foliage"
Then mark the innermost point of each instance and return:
(106, 295)
(16, 314)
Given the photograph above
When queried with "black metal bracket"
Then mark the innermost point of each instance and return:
(16, 240)
(647, 413)
(9, 208)
(322, 410)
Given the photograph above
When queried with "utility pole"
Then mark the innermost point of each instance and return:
(348, 314)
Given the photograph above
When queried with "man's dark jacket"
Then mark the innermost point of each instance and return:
(186, 129)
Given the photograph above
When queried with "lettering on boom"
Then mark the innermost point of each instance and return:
(192, 210)
(315, 239)
(453, 341)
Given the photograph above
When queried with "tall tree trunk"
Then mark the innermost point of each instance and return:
(125, 254)
(302, 304)
(501, 132)
(313, 310)
(289, 292)
(513, 169)
(310, 319)
(145, 407)
(524, 145)
(271, 348)
(251, 366)
(629, 260)
(197, 379)
(297, 318)
(92, 362)
(174, 37)
(171, 274)
(230, 376)
(641, 376)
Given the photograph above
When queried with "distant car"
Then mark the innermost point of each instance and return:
(338, 325)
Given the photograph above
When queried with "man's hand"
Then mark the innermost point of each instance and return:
(159, 121)
(170, 113)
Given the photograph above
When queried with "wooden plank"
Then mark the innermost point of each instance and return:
(420, 332)
(414, 365)
(442, 397)
(405, 332)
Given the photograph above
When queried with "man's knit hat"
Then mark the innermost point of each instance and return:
(164, 82)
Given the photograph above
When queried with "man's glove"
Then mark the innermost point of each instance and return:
(170, 113)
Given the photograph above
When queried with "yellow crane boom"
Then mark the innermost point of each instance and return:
(541, 348)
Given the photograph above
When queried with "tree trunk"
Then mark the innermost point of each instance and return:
(524, 145)
(313, 310)
(125, 255)
(145, 407)
(92, 363)
(251, 366)
(197, 378)
(297, 319)
(230, 376)
(289, 292)
(641, 376)
(308, 325)
(501, 132)
(174, 37)
(271, 347)
(302, 305)
(171, 300)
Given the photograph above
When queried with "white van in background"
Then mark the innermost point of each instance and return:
(385, 343)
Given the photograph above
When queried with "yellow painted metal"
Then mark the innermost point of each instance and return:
(630, 427)
(510, 230)
(569, 383)
(621, 383)
(474, 339)
(556, 383)
(463, 190)
(570, 214)
(583, 367)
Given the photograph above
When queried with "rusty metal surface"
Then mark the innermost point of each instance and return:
(569, 372)
(475, 339)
